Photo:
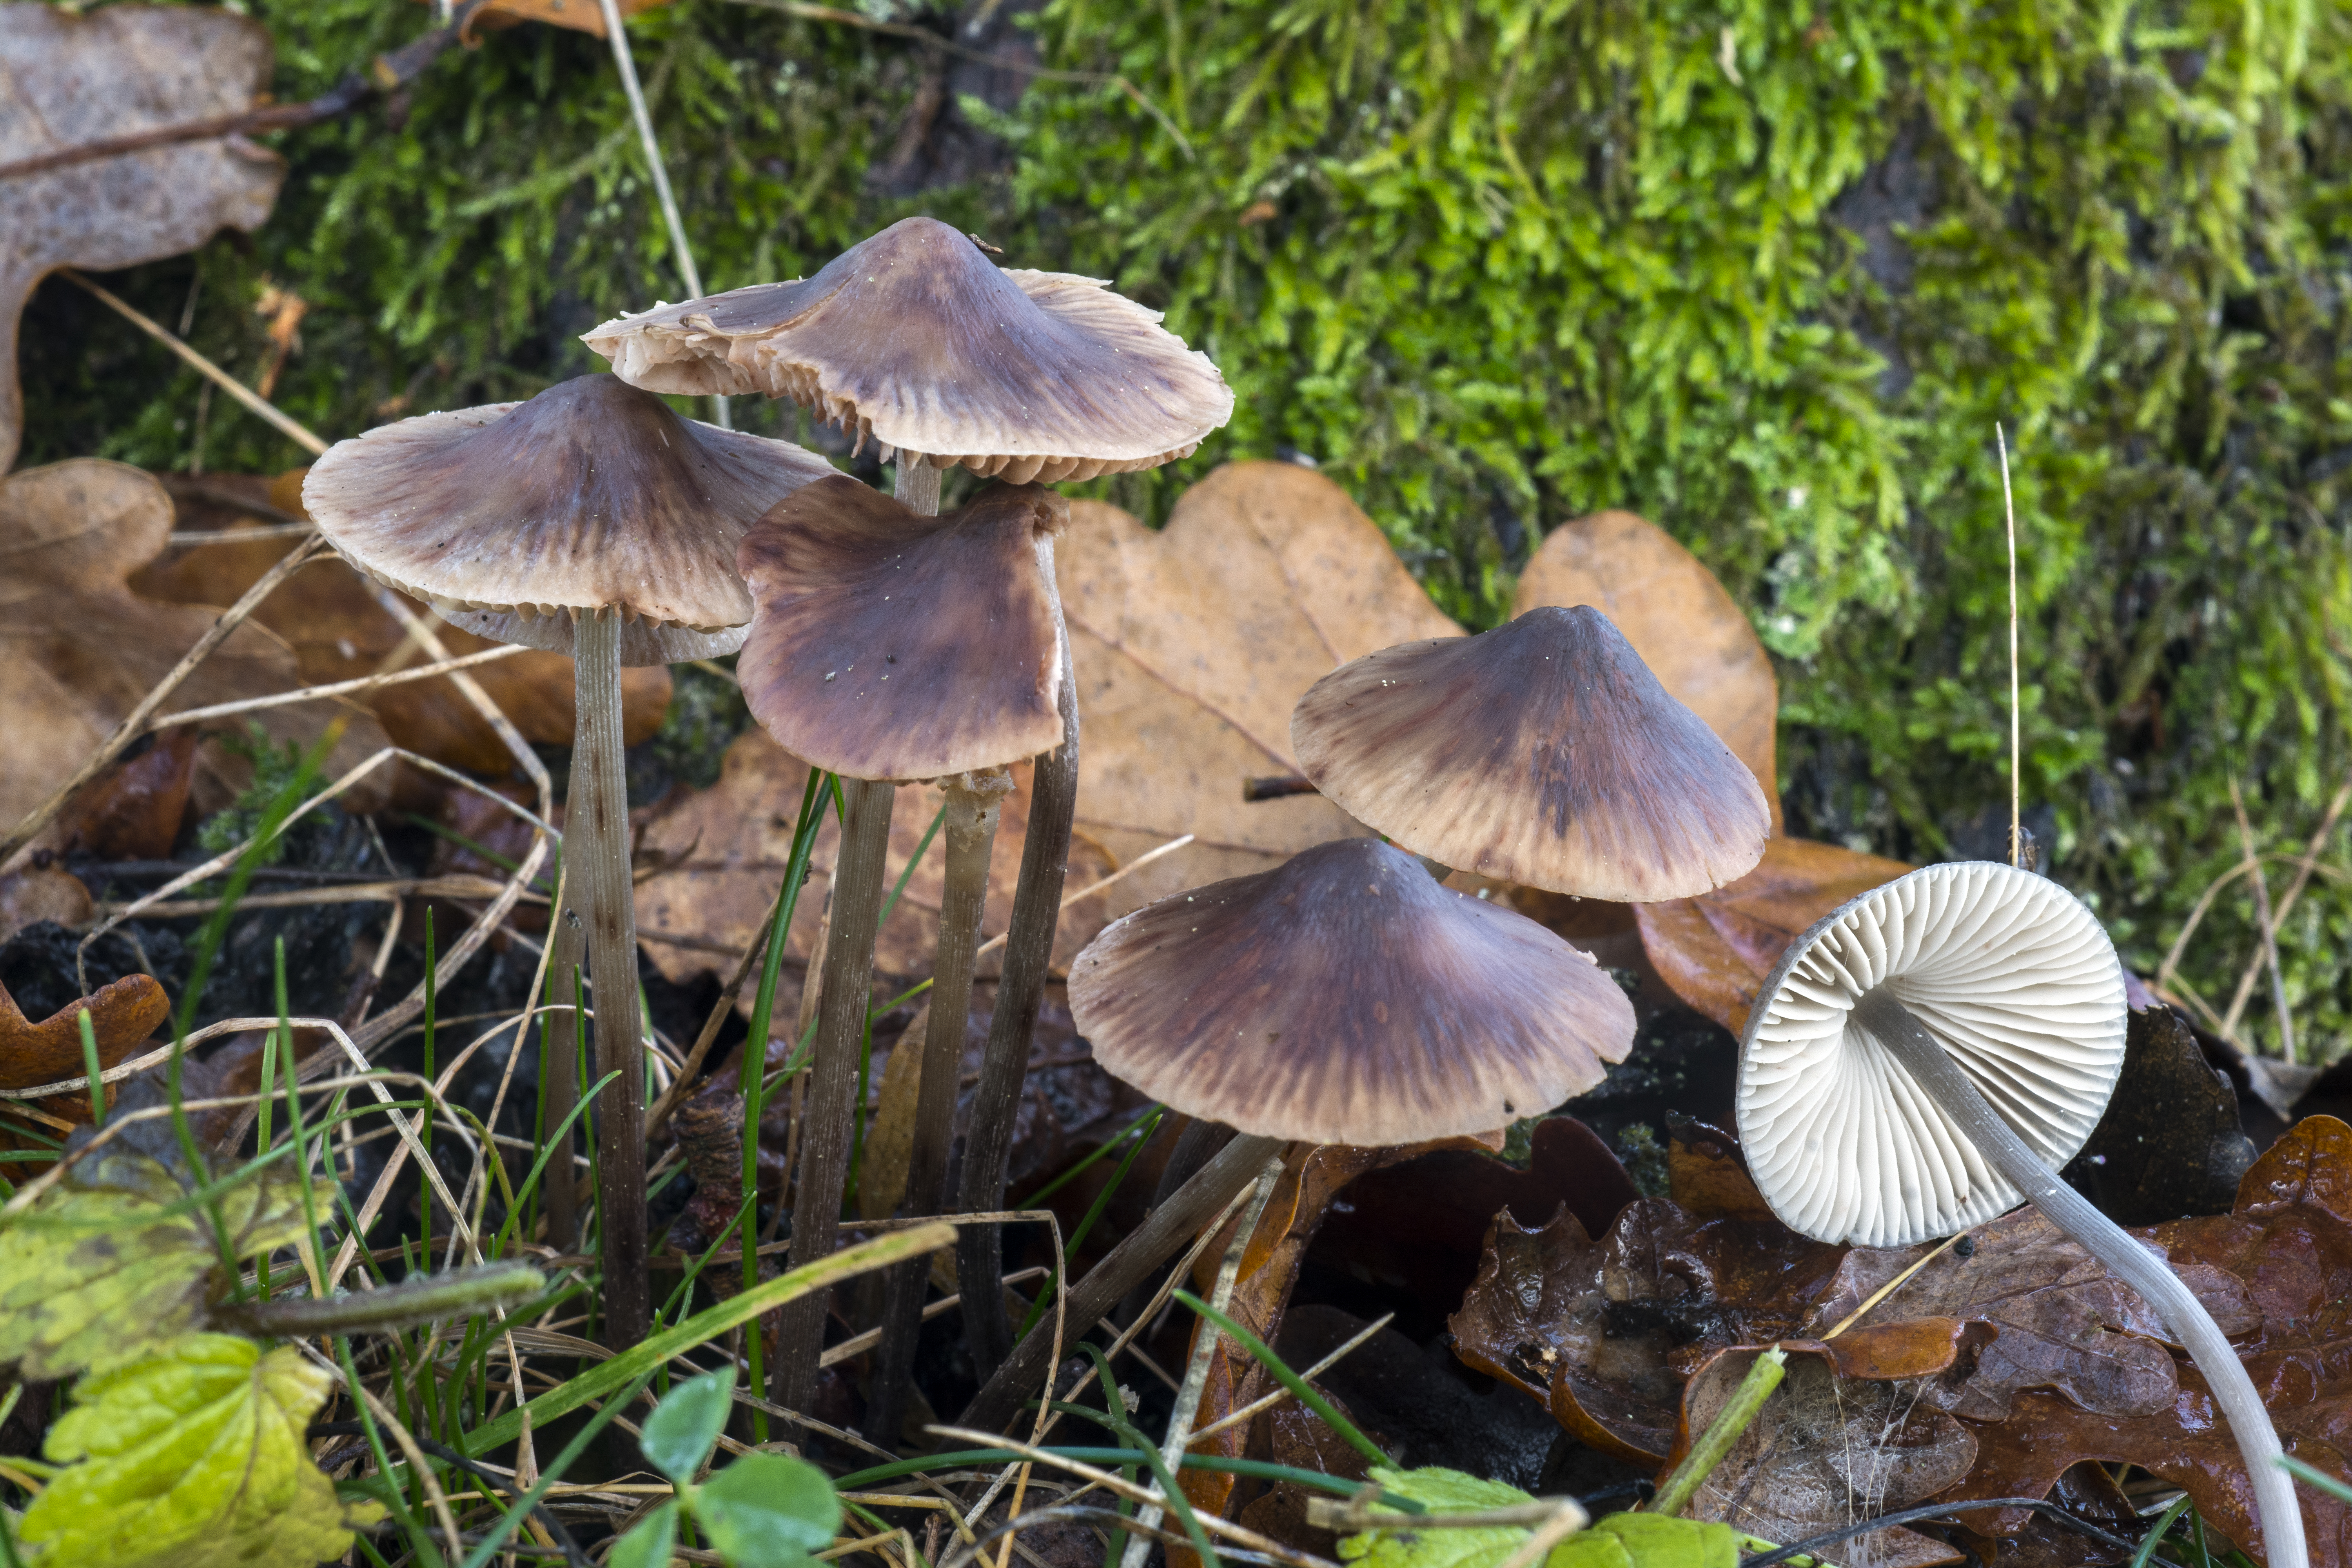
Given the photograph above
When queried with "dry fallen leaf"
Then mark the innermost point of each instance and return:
(1687, 629)
(339, 629)
(37, 893)
(580, 16)
(1193, 645)
(1715, 949)
(722, 851)
(1830, 1447)
(68, 79)
(79, 649)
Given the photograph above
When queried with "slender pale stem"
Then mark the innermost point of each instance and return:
(1932, 1069)
(596, 841)
(567, 929)
(1163, 1232)
(973, 805)
(1028, 951)
(823, 1170)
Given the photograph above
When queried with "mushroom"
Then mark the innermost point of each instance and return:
(915, 340)
(1932, 1052)
(590, 521)
(888, 645)
(1342, 997)
(1542, 753)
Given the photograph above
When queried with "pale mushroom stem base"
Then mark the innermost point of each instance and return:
(1146, 1247)
(972, 818)
(842, 1004)
(566, 931)
(1932, 1069)
(1028, 952)
(596, 824)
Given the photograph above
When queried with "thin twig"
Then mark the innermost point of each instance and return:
(293, 429)
(2303, 867)
(2016, 748)
(2263, 923)
(337, 688)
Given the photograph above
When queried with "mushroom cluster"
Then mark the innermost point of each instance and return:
(1348, 996)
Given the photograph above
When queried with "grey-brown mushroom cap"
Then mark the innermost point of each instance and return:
(511, 518)
(1542, 753)
(888, 645)
(1346, 997)
(914, 339)
(2008, 971)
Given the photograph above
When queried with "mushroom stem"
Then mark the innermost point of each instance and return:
(974, 802)
(561, 1062)
(1028, 951)
(1146, 1247)
(842, 1004)
(596, 824)
(1932, 1069)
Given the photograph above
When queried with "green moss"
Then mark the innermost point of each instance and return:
(1767, 274)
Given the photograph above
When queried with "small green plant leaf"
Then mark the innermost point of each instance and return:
(1620, 1540)
(98, 1271)
(192, 1457)
(648, 1543)
(679, 1434)
(768, 1510)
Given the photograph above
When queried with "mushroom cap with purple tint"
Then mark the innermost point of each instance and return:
(1542, 753)
(888, 645)
(913, 338)
(1346, 997)
(513, 518)
(2010, 974)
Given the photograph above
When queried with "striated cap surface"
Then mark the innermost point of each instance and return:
(2011, 974)
(510, 518)
(1346, 997)
(913, 338)
(886, 644)
(1542, 753)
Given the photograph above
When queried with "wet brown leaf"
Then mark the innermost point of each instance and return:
(1687, 629)
(121, 1018)
(78, 648)
(723, 851)
(68, 79)
(1418, 1225)
(2169, 1144)
(1715, 949)
(1827, 1449)
(1193, 645)
(133, 810)
(338, 630)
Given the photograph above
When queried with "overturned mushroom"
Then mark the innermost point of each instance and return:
(590, 520)
(1342, 997)
(1542, 753)
(1934, 1052)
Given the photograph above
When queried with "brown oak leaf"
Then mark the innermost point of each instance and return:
(68, 79)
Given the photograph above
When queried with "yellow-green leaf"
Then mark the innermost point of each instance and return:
(96, 1273)
(192, 1457)
(1620, 1540)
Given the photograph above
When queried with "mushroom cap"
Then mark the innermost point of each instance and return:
(2011, 974)
(888, 645)
(1542, 753)
(1346, 997)
(511, 518)
(917, 340)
